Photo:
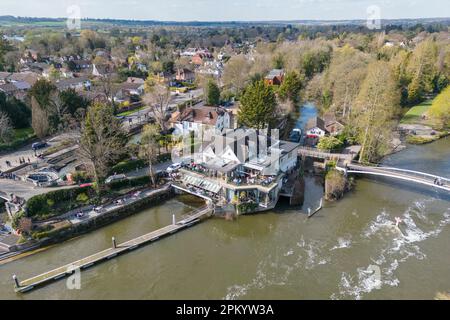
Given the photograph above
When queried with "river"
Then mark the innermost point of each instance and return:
(275, 255)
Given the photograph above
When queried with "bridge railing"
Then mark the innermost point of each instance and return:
(413, 173)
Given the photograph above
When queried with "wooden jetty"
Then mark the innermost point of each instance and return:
(115, 250)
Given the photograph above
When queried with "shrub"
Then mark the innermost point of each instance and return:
(43, 205)
(335, 185)
(50, 203)
(127, 166)
(329, 143)
(83, 197)
(80, 177)
(247, 207)
(129, 183)
(420, 139)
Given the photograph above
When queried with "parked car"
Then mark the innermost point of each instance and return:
(116, 177)
(173, 167)
(39, 145)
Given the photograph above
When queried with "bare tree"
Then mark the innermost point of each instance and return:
(149, 147)
(102, 140)
(158, 97)
(39, 119)
(6, 129)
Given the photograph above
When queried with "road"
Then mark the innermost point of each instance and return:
(138, 116)
(27, 153)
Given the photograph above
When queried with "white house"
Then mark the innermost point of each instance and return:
(200, 119)
(315, 128)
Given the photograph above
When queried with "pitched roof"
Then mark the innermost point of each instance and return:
(315, 122)
(131, 85)
(203, 114)
(28, 77)
(8, 88)
(274, 73)
(4, 75)
(103, 69)
(70, 81)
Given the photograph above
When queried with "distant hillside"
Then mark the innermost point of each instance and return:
(9, 21)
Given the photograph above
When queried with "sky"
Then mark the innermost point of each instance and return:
(228, 10)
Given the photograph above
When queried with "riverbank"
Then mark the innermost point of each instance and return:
(76, 225)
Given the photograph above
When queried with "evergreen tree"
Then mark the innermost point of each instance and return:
(212, 94)
(257, 109)
(290, 88)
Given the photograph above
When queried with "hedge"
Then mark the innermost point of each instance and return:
(127, 166)
(129, 183)
(57, 202)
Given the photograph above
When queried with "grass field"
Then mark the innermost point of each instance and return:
(23, 133)
(414, 115)
(21, 137)
(127, 113)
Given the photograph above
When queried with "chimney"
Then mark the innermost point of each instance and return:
(269, 138)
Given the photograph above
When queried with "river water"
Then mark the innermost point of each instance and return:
(275, 255)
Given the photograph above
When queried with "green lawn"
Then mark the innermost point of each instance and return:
(21, 137)
(23, 133)
(127, 113)
(414, 115)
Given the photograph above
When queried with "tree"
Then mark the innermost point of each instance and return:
(54, 74)
(72, 101)
(422, 71)
(342, 81)
(18, 112)
(149, 147)
(376, 104)
(5, 47)
(440, 108)
(45, 112)
(39, 119)
(290, 88)
(158, 97)
(6, 129)
(236, 73)
(329, 143)
(257, 106)
(212, 94)
(102, 140)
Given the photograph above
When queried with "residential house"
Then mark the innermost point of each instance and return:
(185, 75)
(199, 119)
(4, 76)
(31, 54)
(241, 170)
(212, 68)
(101, 71)
(164, 78)
(78, 84)
(275, 77)
(17, 84)
(332, 125)
(8, 88)
(16, 89)
(201, 57)
(135, 80)
(29, 77)
(129, 91)
(315, 129)
(80, 64)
